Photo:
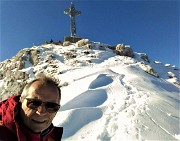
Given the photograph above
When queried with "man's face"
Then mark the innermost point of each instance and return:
(39, 120)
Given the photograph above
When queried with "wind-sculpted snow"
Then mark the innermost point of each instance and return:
(101, 80)
(71, 118)
(133, 108)
(106, 97)
(90, 98)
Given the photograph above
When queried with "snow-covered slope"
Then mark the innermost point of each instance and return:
(110, 97)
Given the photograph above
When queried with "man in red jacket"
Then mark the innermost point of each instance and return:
(28, 117)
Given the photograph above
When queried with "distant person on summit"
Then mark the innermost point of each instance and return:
(28, 117)
(51, 41)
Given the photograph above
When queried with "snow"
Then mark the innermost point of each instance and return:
(112, 98)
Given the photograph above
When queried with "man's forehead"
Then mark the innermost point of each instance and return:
(45, 93)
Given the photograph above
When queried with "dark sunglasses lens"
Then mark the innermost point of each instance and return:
(52, 107)
(33, 104)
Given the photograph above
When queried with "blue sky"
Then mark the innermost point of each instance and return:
(150, 27)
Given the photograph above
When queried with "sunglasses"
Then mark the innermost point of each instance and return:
(35, 103)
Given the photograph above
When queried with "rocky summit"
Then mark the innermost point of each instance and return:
(48, 58)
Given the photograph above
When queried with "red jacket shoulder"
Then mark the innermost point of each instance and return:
(7, 125)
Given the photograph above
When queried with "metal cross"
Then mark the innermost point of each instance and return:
(72, 13)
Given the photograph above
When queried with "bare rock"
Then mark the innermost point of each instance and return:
(83, 43)
(145, 57)
(33, 56)
(123, 50)
(67, 43)
(149, 69)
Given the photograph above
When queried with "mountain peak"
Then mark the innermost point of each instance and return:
(54, 59)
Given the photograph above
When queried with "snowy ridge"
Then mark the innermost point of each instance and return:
(107, 97)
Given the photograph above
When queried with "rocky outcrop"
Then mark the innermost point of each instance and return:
(145, 57)
(148, 69)
(14, 82)
(84, 43)
(11, 74)
(33, 56)
(123, 50)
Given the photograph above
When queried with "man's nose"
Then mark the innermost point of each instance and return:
(41, 110)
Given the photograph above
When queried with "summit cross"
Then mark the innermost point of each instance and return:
(72, 13)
